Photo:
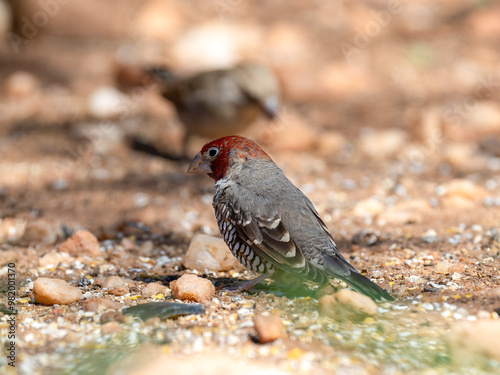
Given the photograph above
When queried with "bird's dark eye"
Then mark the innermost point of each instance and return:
(212, 152)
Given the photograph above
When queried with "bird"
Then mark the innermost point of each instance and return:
(220, 102)
(269, 225)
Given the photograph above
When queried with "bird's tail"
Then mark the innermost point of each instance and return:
(363, 285)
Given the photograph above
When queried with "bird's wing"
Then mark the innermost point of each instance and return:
(333, 261)
(321, 222)
(261, 227)
(336, 265)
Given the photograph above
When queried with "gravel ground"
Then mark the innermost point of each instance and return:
(398, 150)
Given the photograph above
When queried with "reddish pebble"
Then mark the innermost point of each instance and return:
(268, 327)
(81, 243)
(55, 291)
(115, 286)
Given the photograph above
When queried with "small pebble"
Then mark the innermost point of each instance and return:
(442, 268)
(472, 341)
(128, 244)
(365, 238)
(413, 278)
(20, 85)
(146, 249)
(55, 291)
(368, 208)
(115, 286)
(268, 327)
(106, 102)
(59, 184)
(81, 243)
(428, 306)
(462, 194)
(111, 316)
(209, 253)
(53, 258)
(381, 144)
(39, 232)
(430, 236)
(347, 304)
(100, 304)
(491, 201)
(243, 313)
(153, 289)
(140, 200)
(164, 260)
(330, 143)
(111, 327)
(192, 288)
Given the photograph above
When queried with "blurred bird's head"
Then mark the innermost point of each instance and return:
(261, 85)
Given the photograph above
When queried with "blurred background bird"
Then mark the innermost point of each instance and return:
(220, 102)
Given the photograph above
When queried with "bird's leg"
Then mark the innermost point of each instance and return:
(247, 285)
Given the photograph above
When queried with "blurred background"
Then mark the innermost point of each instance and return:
(378, 97)
(389, 121)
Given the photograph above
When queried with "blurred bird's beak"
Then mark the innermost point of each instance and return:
(270, 107)
(198, 165)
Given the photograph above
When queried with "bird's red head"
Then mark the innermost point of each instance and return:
(216, 156)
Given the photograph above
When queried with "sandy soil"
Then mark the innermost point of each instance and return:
(397, 145)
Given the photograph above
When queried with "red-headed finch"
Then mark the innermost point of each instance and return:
(271, 227)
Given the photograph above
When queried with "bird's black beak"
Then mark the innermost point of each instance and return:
(199, 165)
